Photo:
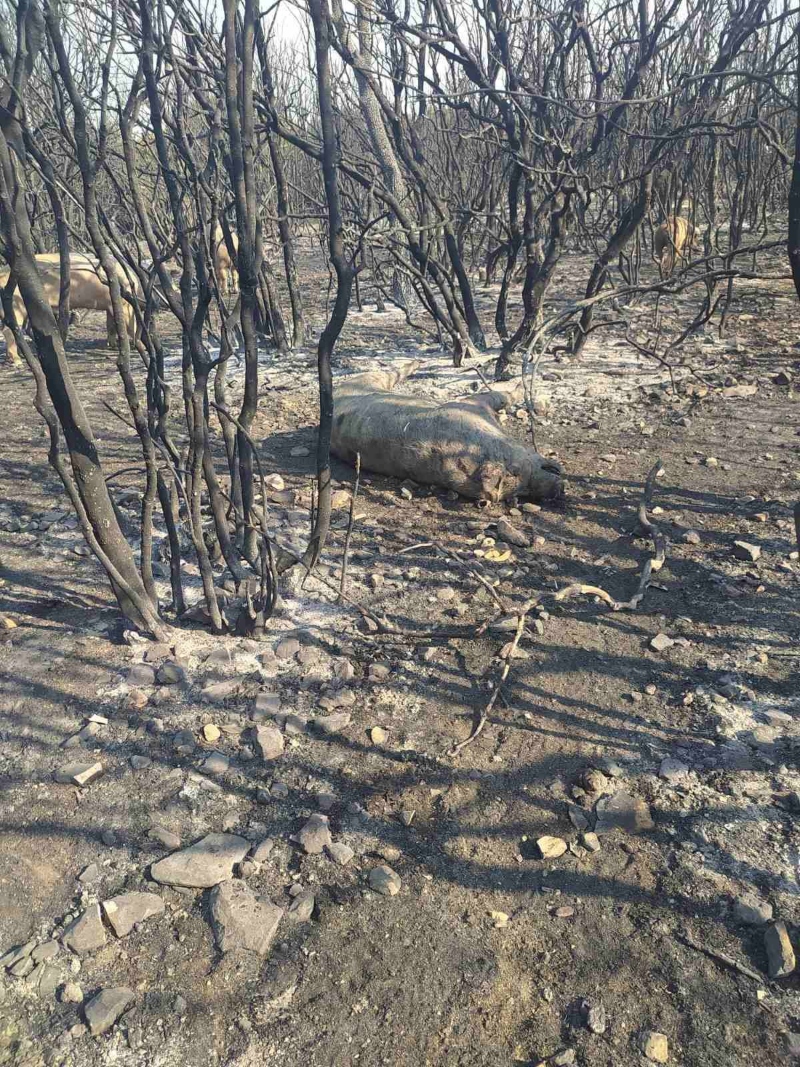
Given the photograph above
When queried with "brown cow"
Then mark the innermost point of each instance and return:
(87, 291)
(672, 238)
(225, 267)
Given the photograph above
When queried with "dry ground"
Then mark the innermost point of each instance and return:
(430, 976)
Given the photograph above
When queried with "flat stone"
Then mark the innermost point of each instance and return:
(660, 643)
(751, 910)
(89, 874)
(655, 1046)
(595, 1017)
(780, 954)
(14, 955)
(45, 980)
(302, 907)
(164, 837)
(140, 763)
(242, 921)
(266, 706)
(86, 933)
(46, 951)
(591, 842)
(170, 673)
(22, 968)
(511, 535)
(261, 852)
(315, 835)
(287, 649)
(673, 770)
(126, 910)
(333, 724)
(219, 692)
(692, 537)
(385, 881)
(103, 1010)
(80, 774)
(269, 742)
(141, 675)
(550, 848)
(623, 812)
(578, 818)
(215, 763)
(204, 864)
(339, 853)
(745, 551)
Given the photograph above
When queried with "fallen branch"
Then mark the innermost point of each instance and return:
(651, 566)
(722, 957)
(508, 655)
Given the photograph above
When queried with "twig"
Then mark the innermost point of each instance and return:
(508, 653)
(722, 957)
(651, 566)
(412, 548)
(350, 519)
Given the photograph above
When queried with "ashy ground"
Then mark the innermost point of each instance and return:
(682, 757)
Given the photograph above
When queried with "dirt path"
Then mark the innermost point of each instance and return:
(488, 954)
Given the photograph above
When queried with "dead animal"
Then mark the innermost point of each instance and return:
(458, 445)
(672, 239)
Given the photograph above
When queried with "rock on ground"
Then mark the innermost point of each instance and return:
(269, 742)
(86, 933)
(780, 954)
(103, 1010)
(241, 920)
(623, 812)
(655, 1046)
(384, 881)
(315, 835)
(128, 909)
(204, 864)
(550, 848)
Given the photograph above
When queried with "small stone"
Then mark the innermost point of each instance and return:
(333, 724)
(241, 920)
(269, 742)
(80, 774)
(711, 461)
(623, 812)
(89, 874)
(136, 699)
(578, 818)
(377, 735)
(302, 907)
(299, 452)
(164, 837)
(593, 781)
(109, 838)
(14, 955)
(692, 537)
(564, 912)
(385, 881)
(591, 842)
(673, 771)
(219, 692)
(179, 1005)
(45, 980)
(141, 675)
(86, 933)
(267, 705)
(22, 968)
(783, 377)
(315, 835)
(287, 649)
(550, 848)
(660, 643)
(261, 851)
(126, 910)
(211, 732)
(171, 673)
(103, 1010)
(204, 864)
(407, 816)
(595, 1017)
(780, 954)
(564, 1059)
(325, 801)
(339, 853)
(511, 535)
(45, 951)
(140, 763)
(745, 551)
(216, 764)
(751, 910)
(71, 993)
(655, 1046)
(275, 481)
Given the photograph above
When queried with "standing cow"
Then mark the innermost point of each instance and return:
(88, 290)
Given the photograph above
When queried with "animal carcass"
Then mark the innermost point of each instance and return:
(672, 238)
(459, 445)
(88, 290)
